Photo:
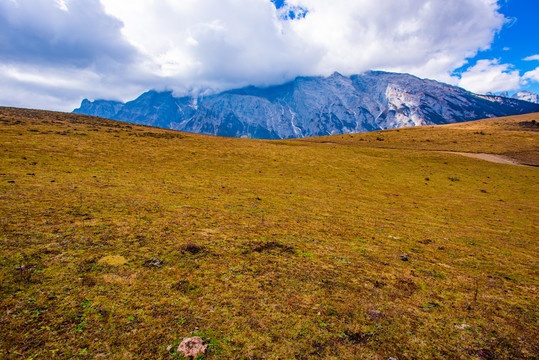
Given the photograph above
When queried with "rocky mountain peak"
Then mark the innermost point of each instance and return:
(527, 96)
(313, 106)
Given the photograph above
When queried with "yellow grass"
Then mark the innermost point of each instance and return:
(271, 249)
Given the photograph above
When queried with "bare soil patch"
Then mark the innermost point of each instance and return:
(500, 159)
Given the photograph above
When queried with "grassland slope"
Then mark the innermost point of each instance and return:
(513, 136)
(118, 240)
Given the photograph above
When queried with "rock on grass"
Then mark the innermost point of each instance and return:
(192, 347)
(155, 262)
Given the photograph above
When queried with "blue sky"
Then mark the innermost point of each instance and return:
(54, 53)
(520, 38)
(517, 40)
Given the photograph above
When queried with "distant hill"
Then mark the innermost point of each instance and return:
(312, 106)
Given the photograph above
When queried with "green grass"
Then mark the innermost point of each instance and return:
(271, 249)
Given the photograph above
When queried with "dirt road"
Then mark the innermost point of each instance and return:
(500, 159)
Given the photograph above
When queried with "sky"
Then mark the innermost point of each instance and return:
(54, 53)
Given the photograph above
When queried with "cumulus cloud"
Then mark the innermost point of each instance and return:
(77, 33)
(531, 58)
(532, 75)
(54, 51)
(428, 38)
(69, 49)
(217, 43)
(490, 76)
(61, 88)
(249, 40)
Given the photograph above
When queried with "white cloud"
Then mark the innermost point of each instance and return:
(531, 58)
(214, 42)
(52, 52)
(244, 41)
(74, 33)
(429, 38)
(490, 76)
(123, 48)
(62, 4)
(61, 89)
(532, 75)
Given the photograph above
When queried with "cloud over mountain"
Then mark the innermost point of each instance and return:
(491, 76)
(115, 49)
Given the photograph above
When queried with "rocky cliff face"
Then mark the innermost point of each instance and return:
(312, 106)
(102, 108)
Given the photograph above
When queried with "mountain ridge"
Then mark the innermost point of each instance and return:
(312, 106)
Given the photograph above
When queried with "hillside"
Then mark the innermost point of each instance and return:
(284, 249)
(312, 106)
(513, 136)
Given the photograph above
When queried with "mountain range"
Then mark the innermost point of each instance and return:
(313, 106)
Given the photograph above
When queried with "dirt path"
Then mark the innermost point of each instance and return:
(500, 159)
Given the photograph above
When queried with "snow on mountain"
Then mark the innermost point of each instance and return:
(312, 106)
(527, 96)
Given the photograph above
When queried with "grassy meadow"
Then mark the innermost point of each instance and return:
(364, 246)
